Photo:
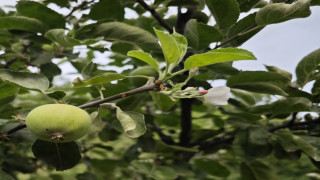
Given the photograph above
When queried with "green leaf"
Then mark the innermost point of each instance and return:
(50, 70)
(42, 13)
(182, 44)
(286, 141)
(218, 56)
(257, 76)
(7, 90)
(88, 70)
(60, 155)
(86, 176)
(163, 102)
(56, 94)
(165, 148)
(246, 5)
(200, 35)
(107, 165)
(169, 46)
(22, 23)
(107, 9)
(132, 123)
(280, 12)
(315, 2)
(5, 176)
(279, 71)
(256, 170)
(290, 105)
(117, 31)
(244, 95)
(238, 29)
(308, 68)
(307, 148)
(225, 12)
(25, 80)
(211, 167)
(261, 87)
(58, 36)
(100, 79)
(145, 57)
(163, 172)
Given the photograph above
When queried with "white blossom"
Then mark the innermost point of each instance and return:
(217, 95)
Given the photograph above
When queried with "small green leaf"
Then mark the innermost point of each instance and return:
(246, 5)
(58, 36)
(41, 12)
(256, 170)
(257, 76)
(60, 155)
(107, 9)
(244, 96)
(308, 68)
(218, 56)
(22, 23)
(279, 71)
(88, 70)
(261, 87)
(163, 148)
(107, 165)
(56, 94)
(240, 27)
(290, 105)
(163, 102)
(145, 57)
(169, 46)
(225, 12)
(117, 31)
(182, 44)
(7, 90)
(164, 172)
(200, 35)
(100, 79)
(307, 148)
(25, 80)
(5, 176)
(211, 167)
(280, 12)
(132, 123)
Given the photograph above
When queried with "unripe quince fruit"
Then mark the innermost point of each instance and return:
(144, 71)
(58, 122)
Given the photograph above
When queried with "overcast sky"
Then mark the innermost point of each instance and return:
(282, 45)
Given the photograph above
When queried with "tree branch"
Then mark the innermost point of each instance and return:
(183, 18)
(219, 141)
(155, 15)
(186, 121)
(152, 87)
(80, 6)
(11, 131)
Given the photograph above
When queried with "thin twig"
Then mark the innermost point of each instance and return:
(158, 130)
(17, 128)
(229, 140)
(80, 6)
(145, 88)
(155, 15)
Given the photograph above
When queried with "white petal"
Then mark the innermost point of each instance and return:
(217, 95)
(218, 100)
(219, 90)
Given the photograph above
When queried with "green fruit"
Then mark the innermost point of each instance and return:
(144, 71)
(58, 122)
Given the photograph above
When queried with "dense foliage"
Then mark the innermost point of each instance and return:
(164, 121)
